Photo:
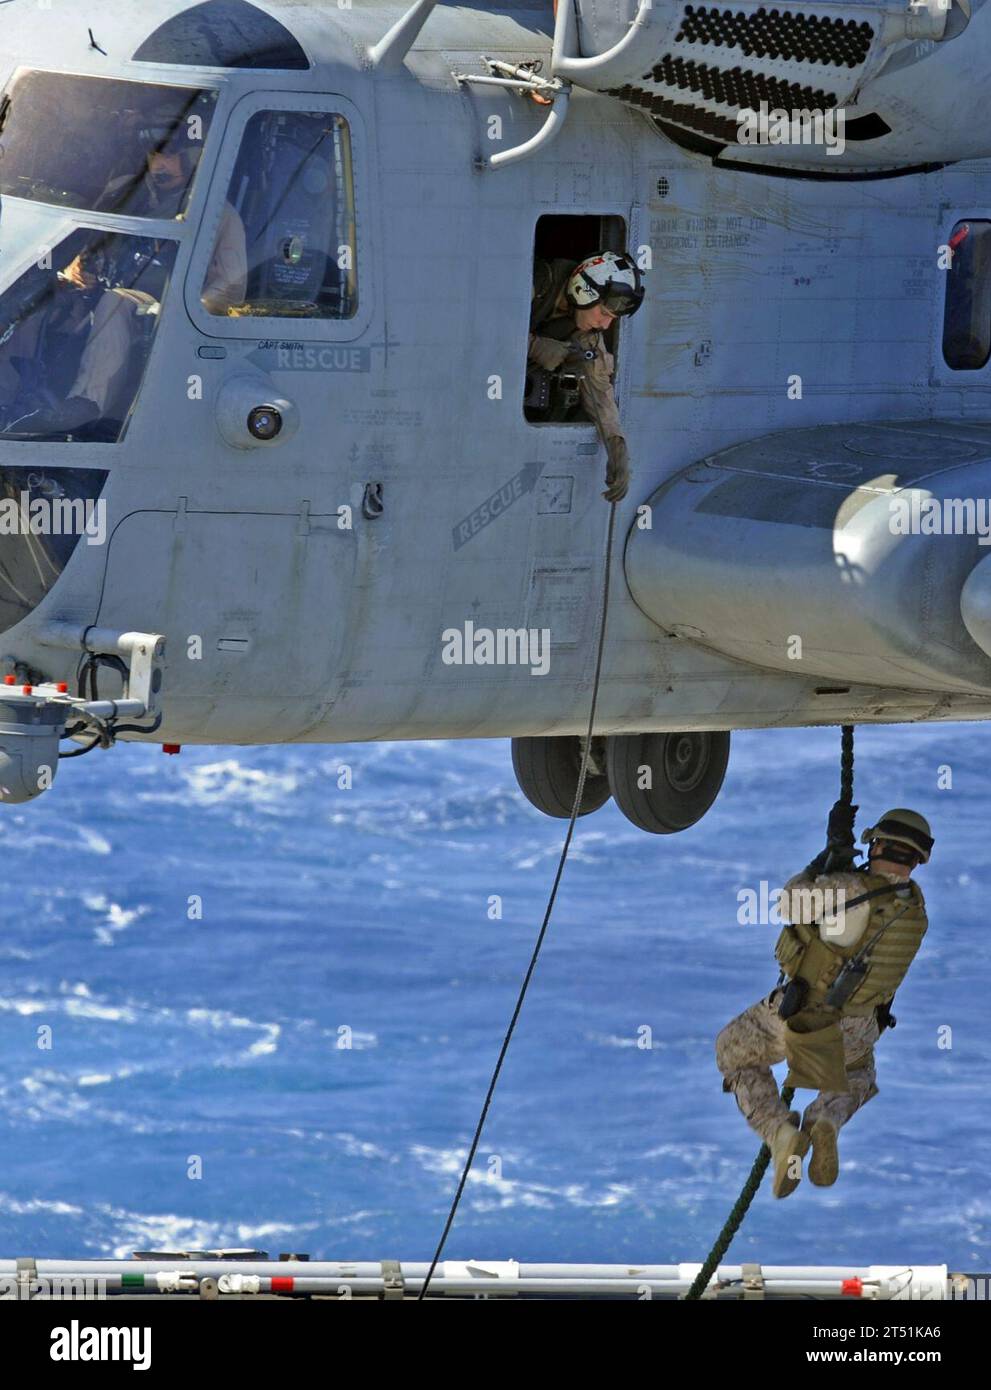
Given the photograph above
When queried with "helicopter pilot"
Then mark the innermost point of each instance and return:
(94, 317)
(160, 193)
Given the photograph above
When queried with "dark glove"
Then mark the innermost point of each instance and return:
(885, 1018)
(841, 858)
(617, 469)
(839, 829)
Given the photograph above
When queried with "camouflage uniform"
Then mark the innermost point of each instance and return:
(747, 1048)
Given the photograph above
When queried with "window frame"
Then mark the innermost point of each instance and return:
(267, 329)
(64, 230)
(612, 335)
(944, 374)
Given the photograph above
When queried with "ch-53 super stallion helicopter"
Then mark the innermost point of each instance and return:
(307, 485)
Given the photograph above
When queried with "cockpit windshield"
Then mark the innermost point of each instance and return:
(76, 331)
(101, 144)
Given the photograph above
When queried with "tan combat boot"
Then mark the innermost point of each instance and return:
(788, 1148)
(824, 1165)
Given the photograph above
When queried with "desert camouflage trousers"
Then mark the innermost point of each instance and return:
(748, 1047)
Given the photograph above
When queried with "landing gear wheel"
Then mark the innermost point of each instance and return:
(686, 772)
(547, 771)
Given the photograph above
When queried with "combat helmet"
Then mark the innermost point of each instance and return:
(904, 828)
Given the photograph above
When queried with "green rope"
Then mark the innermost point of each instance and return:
(735, 1219)
(844, 851)
(750, 1188)
(846, 764)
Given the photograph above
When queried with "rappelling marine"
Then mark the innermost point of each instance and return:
(851, 936)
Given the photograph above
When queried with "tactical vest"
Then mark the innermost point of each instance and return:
(802, 953)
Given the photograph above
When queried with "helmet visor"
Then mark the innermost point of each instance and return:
(620, 300)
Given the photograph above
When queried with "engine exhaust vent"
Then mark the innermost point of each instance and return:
(791, 35)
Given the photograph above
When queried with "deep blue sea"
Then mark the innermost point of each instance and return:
(214, 1044)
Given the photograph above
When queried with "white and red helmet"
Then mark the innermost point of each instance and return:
(608, 279)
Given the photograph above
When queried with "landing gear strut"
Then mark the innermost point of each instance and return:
(547, 771)
(666, 782)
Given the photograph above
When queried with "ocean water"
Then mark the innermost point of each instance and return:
(273, 1006)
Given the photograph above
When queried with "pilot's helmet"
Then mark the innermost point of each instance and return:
(165, 132)
(608, 279)
(903, 828)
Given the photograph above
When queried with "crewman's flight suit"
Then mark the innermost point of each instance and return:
(555, 340)
(552, 347)
(828, 1049)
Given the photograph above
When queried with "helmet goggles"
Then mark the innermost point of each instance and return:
(620, 301)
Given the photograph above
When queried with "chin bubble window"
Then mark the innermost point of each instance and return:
(285, 244)
(32, 557)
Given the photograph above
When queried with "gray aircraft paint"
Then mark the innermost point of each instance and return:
(316, 632)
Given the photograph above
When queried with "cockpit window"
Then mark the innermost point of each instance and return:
(76, 332)
(101, 144)
(223, 34)
(285, 247)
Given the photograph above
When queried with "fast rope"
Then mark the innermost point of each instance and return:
(579, 793)
(742, 1204)
(846, 775)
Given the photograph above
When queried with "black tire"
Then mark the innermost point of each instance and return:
(547, 771)
(687, 771)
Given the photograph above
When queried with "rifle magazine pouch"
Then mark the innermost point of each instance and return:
(815, 1060)
(793, 998)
